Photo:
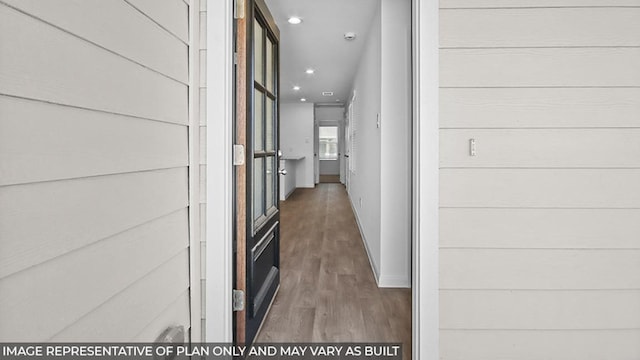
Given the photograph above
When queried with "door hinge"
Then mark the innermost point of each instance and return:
(235, 58)
(238, 10)
(238, 155)
(238, 300)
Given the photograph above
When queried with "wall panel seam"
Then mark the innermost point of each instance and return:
(96, 176)
(114, 294)
(156, 22)
(95, 44)
(92, 109)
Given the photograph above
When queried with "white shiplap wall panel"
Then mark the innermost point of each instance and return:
(91, 277)
(537, 344)
(540, 310)
(94, 188)
(498, 4)
(175, 313)
(114, 26)
(41, 141)
(539, 108)
(172, 15)
(44, 63)
(478, 28)
(132, 306)
(540, 67)
(540, 188)
(44, 220)
(539, 269)
(540, 228)
(541, 148)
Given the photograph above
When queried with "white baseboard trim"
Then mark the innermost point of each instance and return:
(374, 267)
(394, 281)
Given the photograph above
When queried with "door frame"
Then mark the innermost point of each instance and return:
(219, 182)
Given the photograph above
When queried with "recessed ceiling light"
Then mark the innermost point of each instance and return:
(310, 71)
(303, 99)
(294, 20)
(296, 88)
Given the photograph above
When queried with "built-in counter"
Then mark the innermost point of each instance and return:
(288, 182)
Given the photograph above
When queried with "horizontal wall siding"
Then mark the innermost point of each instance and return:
(540, 67)
(539, 107)
(171, 15)
(540, 269)
(109, 24)
(498, 4)
(45, 63)
(540, 27)
(542, 148)
(83, 144)
(540, 188)
(79, 282)
(131, 306)
(529, 228)
(540, 344)
(94, 170)
(542, 310)
(539, 246)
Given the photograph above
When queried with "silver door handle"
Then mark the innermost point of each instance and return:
(282, 171)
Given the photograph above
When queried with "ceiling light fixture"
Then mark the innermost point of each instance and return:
(294, 20)
(350, 36)
(310, 71)
(303, 99)
(296, 88)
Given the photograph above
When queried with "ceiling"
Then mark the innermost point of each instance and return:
(318, 43)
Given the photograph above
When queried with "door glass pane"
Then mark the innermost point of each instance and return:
(258, 188)
(270, 67)
(271, 181)
(258, 121)
(328, 136)
(258, 51)
(270, 125)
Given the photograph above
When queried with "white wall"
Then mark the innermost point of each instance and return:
(365, 181)
(296, 139)
(539, 246)
(383, 151)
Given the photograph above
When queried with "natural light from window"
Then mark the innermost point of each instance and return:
(328, 142)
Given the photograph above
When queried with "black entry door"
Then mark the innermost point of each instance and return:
(260, 252)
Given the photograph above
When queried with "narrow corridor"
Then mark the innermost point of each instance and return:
(328, 291)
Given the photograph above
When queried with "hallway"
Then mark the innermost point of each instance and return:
(328, 292)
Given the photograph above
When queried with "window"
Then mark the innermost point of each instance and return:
(328, 142)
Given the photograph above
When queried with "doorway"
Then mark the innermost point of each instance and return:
(374, 216)
(329, 154)
(425, 164)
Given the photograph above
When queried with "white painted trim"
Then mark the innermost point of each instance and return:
(394, 281)
(374, 267)
(425, 180)
(195, 296)
(219, 253)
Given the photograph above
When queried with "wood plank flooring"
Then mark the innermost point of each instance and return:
(328, 292)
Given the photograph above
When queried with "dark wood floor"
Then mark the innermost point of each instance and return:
(328, 292)
(330, 179)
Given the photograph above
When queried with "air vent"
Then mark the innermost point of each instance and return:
(327, 93)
